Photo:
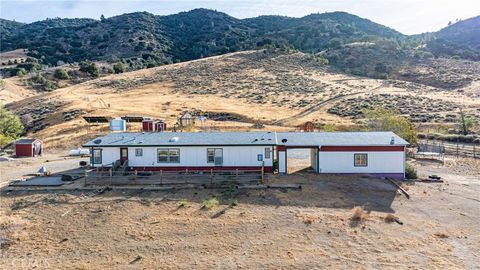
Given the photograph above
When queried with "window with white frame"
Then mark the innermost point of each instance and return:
(97, 156)
(360, 160)
(138, 152)
(215, 155)
(267, 153)
(168, 155)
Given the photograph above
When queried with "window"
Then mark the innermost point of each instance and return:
(267, 153)
(210, 155)
(215, 155)
(138, 152)
(97, 156)
(168, 155)
(360, 160)
(260, 157)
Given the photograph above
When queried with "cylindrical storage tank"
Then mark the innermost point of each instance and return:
(160, 126)
(118, 124)
(147, 125)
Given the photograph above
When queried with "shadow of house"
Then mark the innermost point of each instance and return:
(318, 191)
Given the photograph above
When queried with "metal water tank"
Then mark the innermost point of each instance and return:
(118, 124)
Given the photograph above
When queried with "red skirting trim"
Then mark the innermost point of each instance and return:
(362, 148)
(281, 148)
(267, 169)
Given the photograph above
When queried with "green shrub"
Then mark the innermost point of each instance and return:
(4, 140)
(10, 124)
(119, 68)
(21, 72)
(184, 203)
(210, 203)
(410, 171)
(61, 74)
(90, 68)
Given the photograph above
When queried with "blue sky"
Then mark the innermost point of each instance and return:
(406, 16)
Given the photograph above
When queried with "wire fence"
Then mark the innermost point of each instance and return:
(469, 150)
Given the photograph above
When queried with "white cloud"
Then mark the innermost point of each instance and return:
(406, 16)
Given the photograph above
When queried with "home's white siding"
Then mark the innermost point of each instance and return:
(313, 158)
(378, 162)
(282, 157)
(191, 156)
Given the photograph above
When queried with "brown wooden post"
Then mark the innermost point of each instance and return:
(135, 176)
(211, 176)
(85, 179)
(236, 174)
(186, 176)
(161, 177)
(457, 149)
(262, 173)
(110, 172)
(474, 155)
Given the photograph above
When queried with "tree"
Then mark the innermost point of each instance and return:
(61, 74)
(467, 123)
(382, 119)
(119, 67)
(102, 18)
(10, 124)
(329, 127)
(21, 72)
(90, 68)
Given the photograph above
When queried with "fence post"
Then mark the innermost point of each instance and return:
(186, 176)
(161, 177)
(211, 176)
(457, 149)
(85, 179)
(135, 177)
(111, 176)
(262, 174)
(474, 155)
(236, 174)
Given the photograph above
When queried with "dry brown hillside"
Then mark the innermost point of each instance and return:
(280, 90)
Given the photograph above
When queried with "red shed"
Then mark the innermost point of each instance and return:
(160, 126)
(147, 125)
(28, 147)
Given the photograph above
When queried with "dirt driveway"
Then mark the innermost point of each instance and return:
(22, 168)
(272, 229)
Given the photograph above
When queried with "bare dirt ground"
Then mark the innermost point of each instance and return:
(274, 229)
(22, 168)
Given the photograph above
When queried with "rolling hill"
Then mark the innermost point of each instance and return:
(183, 36)
(237, 90)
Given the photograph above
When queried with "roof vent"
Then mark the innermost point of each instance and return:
(173, 139)
(284, 140)
(392, 141)
(97, 141)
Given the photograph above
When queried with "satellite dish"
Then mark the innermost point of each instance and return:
(173, 139)
(284, 140)
(97, 141)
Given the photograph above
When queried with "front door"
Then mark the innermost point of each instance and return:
(123, 155)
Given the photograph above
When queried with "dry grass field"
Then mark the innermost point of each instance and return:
(280, 90)
(332, 222)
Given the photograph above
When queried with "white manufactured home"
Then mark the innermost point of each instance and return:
(376, 153)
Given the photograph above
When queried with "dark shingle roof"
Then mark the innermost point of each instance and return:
(25, 141)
